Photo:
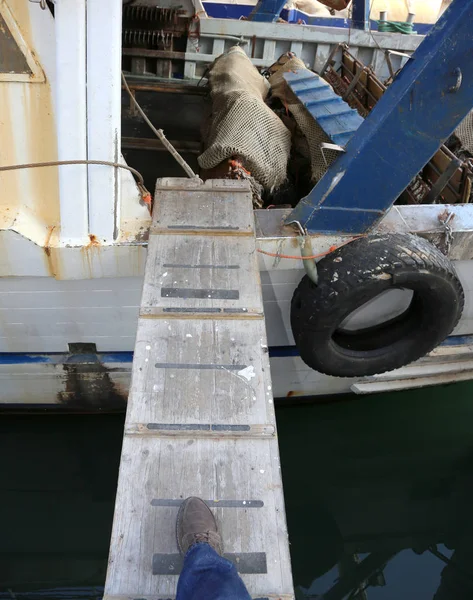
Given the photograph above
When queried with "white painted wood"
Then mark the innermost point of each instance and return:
(189, 66)
(375, 387)
(378, 61)
(104, 38)
(309, 33)
(321, 56)
(200, 418)
(425, 368)
(269, 49)
(296, 47)
(22, 241)
(309, 41)
(40, 313)
(44, 315)
(71, 118)
(46, 344)
(218, 46)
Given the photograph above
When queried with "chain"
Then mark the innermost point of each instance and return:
(444, 220)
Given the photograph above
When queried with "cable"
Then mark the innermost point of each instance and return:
(145, 195)
(58, 163)
(321, 255)
(159, 133)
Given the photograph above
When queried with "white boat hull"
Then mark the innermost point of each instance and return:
(41, 317)
(72, 237)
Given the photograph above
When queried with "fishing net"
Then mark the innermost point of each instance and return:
(307, 127)
(241, 124)
(464, 133)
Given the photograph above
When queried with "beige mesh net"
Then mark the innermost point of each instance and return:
(464, 133)
(242, 124)
(307, 126)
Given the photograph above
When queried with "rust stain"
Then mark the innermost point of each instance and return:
(49, 256)
(89, 387)
(446, 216)
(87, 253)
(142, 235)
(93, 241)
(47, 243)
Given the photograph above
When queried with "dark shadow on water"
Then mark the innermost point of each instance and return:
(57, 492)
(371, 484)
(382, 476)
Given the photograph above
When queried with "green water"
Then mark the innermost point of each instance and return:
(382, 478)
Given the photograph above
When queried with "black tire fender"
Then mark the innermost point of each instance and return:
(355, 274)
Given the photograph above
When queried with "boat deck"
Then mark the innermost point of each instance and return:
(200, 418)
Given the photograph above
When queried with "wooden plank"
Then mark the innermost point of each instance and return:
(154, 473)
(230, 381)
(195, 207)
(200, 417)
(201, 273)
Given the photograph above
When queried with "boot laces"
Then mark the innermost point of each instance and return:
(202, 537)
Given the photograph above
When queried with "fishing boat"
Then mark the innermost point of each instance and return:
(79, 165)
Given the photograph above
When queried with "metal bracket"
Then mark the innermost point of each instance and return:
(459, 75)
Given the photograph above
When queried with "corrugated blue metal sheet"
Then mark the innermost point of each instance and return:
(333, 114)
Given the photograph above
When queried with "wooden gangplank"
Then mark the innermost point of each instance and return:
(200, 418)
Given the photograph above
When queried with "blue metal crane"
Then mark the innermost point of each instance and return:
(418, 112)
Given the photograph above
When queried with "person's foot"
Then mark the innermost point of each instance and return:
(197, 525)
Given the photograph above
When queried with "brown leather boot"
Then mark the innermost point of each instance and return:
(196, 524)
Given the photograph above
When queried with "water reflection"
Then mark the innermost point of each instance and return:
(378, 495)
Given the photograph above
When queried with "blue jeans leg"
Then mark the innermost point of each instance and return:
(208, 576)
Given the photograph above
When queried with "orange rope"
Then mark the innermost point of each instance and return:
(322, 254)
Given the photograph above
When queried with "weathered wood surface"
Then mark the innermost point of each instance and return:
(200, 418)
(201, 272)
(218, 207)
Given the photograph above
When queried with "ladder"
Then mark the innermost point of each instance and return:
(200, 418)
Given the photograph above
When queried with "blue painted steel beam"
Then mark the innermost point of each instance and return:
(267, 11)
(360, 15)
(413, 118)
